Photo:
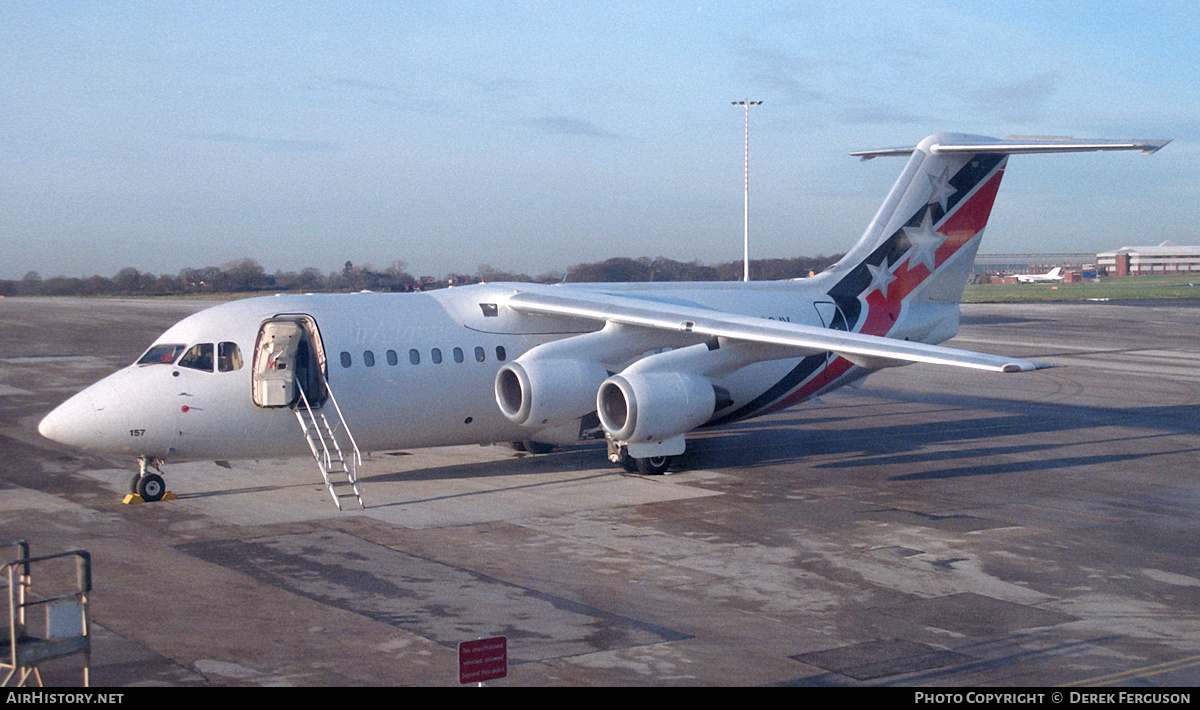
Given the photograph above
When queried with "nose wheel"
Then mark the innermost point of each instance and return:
(149, 486)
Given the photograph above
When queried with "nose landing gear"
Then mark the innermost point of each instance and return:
(150, 487)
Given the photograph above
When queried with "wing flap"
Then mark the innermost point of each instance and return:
(866, 350)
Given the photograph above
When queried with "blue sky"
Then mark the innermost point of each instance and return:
(531, 136)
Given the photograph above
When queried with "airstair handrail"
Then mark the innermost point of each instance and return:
(342, 419)
(308, 408)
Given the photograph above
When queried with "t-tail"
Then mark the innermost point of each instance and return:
(905, 276)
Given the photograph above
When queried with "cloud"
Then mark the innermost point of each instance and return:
(879, 113)
(792, 77)
(281, 145)
(1017, 102)
(568, 126)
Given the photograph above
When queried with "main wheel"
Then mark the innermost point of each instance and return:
(654, 465)
(151, 487)
(629, 463)
(537, 447)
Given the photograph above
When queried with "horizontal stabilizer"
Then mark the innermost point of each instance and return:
(1018, 146)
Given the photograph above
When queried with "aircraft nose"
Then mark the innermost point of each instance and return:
(114, 416)
(70, 422)
(84, 420)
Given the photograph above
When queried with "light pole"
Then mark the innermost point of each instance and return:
(746, 201)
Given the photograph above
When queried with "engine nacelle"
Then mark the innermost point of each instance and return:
(645, 407)
(542, 393)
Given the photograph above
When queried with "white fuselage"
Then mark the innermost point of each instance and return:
(407, 370)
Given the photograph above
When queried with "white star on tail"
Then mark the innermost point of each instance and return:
(925, 241)
(881, 276)
(940, 185)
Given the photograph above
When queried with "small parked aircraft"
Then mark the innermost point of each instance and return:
(640, 364)
(1055, 274)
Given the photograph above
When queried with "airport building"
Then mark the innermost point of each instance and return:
(1166, 258)
(1001, 268)
(1031, 263)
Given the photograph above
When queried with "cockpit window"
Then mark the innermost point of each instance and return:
(229, 357)
(163, 354)
(199, 357)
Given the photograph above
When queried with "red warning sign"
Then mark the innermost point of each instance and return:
(482, 660)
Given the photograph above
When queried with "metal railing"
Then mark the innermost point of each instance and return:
(67, 624)
(321, 436)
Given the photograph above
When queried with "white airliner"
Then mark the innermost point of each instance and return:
(640, 364)
(1054, 274)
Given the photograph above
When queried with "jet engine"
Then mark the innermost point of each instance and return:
(540, 393)
(650, 407)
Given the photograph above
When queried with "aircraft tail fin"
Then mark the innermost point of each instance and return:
(921, 244)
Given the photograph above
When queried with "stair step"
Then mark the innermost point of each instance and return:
(337, 469)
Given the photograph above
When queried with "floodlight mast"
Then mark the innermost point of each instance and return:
(746, 200)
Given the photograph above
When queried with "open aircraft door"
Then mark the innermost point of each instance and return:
(288, 358)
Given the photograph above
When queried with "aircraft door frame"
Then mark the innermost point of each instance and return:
(831, 315)
(289, 356)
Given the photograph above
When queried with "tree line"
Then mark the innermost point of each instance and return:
(248, 276)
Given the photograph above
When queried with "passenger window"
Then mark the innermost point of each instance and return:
(479, 355)
(501, 353)
(229, 357)
(200, 357)
(391, 357)
(458, 355)
(368, 358)
(437, 356)
(161, 354)
(346, 360)
(414, 356)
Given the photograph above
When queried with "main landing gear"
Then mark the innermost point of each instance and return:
(617, 453)
(650, 465)
(647, 466)
(532, 447)
(150, 487)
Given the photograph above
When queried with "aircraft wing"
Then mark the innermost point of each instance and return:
(866, 350)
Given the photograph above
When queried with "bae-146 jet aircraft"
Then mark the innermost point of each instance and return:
(640, 364)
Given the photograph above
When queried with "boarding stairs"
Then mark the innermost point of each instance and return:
(339, 466)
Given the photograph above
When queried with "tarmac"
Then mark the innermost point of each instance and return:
(933, 527)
